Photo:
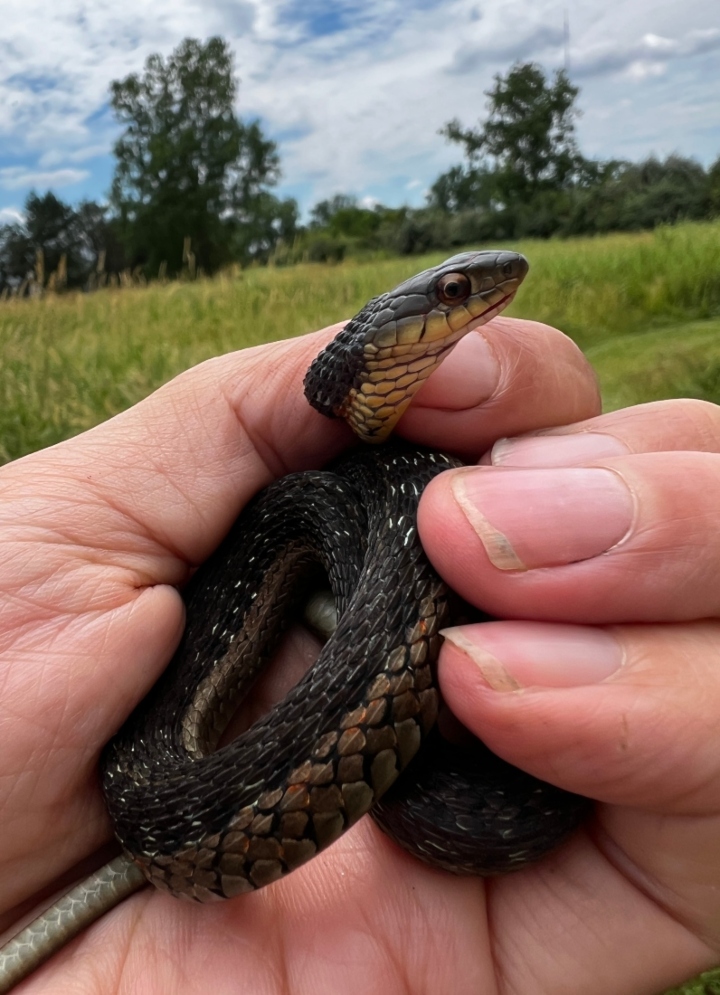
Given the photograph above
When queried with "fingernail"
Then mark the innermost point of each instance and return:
(516, 655)
(543, 517)
(556, 450)
(465, 379)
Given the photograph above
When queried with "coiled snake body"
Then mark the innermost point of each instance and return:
(206, 822)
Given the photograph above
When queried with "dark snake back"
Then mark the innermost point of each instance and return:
(207, 823)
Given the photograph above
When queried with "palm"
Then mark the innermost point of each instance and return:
(360, 918)
(364, 917)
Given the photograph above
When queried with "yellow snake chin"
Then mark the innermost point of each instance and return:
(400, 360)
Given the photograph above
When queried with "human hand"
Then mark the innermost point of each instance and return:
(96, 533)
(610, 524)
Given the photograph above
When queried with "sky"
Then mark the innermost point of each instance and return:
(354, 91)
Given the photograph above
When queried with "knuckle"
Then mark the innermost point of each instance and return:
(701, 420)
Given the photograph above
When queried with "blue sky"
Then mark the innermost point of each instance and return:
(354, 91)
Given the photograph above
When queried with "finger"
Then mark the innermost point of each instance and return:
(662, 426)
(509, 376)
(633, 539)
(626, 715)
(93, 533)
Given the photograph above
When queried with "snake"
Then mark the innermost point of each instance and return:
(207, 820)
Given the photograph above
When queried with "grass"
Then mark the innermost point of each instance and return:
(705, 984)
(645, 308)
(69, 362)
(618, 285)
(682, 360)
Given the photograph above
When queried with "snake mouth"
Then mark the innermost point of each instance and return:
(394, 374)
(492, 312)
(451, 341)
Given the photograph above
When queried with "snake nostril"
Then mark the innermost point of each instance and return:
(508, 269)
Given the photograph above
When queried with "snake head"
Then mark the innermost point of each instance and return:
(371, 370)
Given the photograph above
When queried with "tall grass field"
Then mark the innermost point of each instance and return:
(644, 307)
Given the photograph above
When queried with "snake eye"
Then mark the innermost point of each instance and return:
(453, 288)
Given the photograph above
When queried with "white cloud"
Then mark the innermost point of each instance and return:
(54, 157)
(642, 70)
(10, 215)
(17, 177)
(645, 57)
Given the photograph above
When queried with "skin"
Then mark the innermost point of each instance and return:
(97, 531)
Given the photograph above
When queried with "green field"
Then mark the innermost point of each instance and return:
(645, 308)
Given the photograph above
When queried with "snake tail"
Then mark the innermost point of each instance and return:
(71, 914)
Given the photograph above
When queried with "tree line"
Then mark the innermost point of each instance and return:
(192, 186)
(523, 176)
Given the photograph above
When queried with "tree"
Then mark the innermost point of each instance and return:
(186, 165)
(56, 229)
(634, 196)
(265, 224)
(463, 189)
(342, 217)
(529, 135)
(100, 235)
(714, 184)
(325, 212)
(50, 226)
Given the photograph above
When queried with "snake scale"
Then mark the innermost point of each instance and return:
(207, 820)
